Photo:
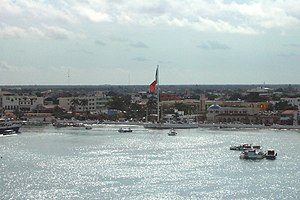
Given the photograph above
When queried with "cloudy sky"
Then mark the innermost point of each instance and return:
(122, 41)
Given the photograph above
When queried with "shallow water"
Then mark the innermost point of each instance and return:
(101, 163)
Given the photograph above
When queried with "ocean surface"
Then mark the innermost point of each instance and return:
(101, 163)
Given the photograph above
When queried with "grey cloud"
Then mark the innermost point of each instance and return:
(139, 45)
(4, 67)
(213, 45)
(155, 8)
(100, 43)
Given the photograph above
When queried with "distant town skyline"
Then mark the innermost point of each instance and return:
(121, 42)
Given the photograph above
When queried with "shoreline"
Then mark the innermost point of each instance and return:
(249, 126)
(200, 125)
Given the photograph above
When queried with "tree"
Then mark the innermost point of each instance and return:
(182, 107)
(283, 105)
(74, 103)
(151, 104)
(84, 103)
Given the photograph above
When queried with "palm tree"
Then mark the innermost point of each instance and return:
(84, 103)
(74, 104)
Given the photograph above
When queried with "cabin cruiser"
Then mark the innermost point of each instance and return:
(172, 132)
(270, 154)
(252, 154)
(8, 126)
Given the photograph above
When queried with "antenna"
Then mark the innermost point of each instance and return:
(68, 77)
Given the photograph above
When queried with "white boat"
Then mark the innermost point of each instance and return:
(88, 127)
(125, 130)
(252, 154)
(9, 126)
(172, 132)
(240, 147)
(271, 154)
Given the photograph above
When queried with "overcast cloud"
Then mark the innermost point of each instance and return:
(173, 32)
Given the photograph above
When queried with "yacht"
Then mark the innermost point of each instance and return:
(9, 126)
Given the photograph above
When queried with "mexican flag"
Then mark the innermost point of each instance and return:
(153, 84)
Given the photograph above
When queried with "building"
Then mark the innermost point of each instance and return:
(289, 117)
(39, 117)
(292, 101)
(261, 91)
(10, 102)
(216, 113)
(169, 97)
(94, 104)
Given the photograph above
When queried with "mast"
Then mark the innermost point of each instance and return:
(157, 83)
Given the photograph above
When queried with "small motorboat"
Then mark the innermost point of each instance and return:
(124, 130)
(239, 147)
(271, 154)
(244, 147)
(252, 154)
(88, 127)
(172, 132)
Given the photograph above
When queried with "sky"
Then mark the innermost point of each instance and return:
(121, 42)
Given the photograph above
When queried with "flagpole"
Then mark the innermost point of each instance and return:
(157, 81)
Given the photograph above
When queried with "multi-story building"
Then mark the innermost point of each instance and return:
(292, 101)
(216, 113)
(94, 104)
(10, 102)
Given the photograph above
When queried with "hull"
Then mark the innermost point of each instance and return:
(170, 126)
(172, 133)
(272, 157)
(271, 154)
(253, 154)
(251, 157)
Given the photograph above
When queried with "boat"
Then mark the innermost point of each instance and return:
(252, 154)
(8, 132)
(240, 147)
(244, 147)
(59, 125)
(8, 126)
(270, 154)
(88, 127)
(124, 130)
(172, 132)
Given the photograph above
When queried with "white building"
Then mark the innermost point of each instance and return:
(262, 91)
(216, 113)
(292, 101)
(13, 102)
(93, 104)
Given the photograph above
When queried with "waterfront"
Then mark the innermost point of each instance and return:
(101, 163)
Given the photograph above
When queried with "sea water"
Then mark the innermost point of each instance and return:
(101, 163)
